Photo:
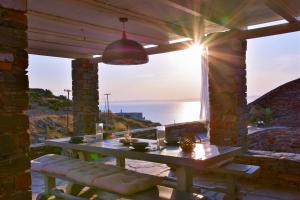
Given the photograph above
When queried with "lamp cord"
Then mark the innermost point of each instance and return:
(124, 32)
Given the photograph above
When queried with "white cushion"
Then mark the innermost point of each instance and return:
(87, 174)
(39, 163)
(126, 182)
(62, 168)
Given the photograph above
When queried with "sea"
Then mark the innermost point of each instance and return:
(164, 112)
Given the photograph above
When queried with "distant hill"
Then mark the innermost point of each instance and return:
(47, 99)
(280, 106)
(48, 117)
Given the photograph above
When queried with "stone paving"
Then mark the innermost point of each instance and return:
(249, 190)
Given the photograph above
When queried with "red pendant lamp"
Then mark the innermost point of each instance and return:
(124, 51)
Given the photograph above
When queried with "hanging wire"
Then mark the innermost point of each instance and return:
(83, 33)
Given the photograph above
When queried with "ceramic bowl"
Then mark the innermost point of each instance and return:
(140, 145)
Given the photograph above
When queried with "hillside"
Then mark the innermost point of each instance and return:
(280, 107)
(48, 117)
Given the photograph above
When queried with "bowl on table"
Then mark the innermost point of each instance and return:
(140, 146)
(127, 141)
(76, 139)
(172, 142)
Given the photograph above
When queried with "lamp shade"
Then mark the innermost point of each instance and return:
(124, 51)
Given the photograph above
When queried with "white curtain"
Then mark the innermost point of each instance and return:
(204, 95)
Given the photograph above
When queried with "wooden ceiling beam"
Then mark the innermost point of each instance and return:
(150, 21)
(55, 53)
(202, 11)
(247, 34)
(60, 35)
(169, 47)
(65, 44)
(87, 25)
(282, 8)
(271, 30)
(161, 49)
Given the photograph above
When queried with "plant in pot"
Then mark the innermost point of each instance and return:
(187, 141)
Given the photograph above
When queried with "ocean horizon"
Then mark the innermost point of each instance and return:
(162, 111)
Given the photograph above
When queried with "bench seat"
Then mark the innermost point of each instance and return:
(38, 164)
(92, 171)
(98, 175)
(126, 182)
(238, 169)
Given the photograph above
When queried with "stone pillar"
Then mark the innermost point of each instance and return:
(14, 139)
(85, 96)
(227, 90)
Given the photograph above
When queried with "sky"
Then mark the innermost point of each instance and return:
(271, 61)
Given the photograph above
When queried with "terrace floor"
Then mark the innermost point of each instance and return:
(249, 190)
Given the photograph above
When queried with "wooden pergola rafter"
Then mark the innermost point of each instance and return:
(283, 9)
(91, 37)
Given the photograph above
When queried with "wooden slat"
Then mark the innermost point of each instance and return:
(65, 44)
(180, 5)
(271, 30)
(91, 26)
(57, 53)
(282, 8)
(61, 35)
(149, 21)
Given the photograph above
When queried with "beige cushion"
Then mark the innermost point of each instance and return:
(62, 168)
(87, 174)
(126, 182)
(39, 163)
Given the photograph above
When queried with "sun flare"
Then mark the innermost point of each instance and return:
(193, 55)
(196, 49)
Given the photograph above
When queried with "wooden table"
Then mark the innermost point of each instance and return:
(204, 155)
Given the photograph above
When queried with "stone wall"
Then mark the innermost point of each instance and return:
(281, 169)
(283, 101)
(85, 96)
(276, 139)
(14, 138)
(227, 89)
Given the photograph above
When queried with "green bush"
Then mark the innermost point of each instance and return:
(47, 99)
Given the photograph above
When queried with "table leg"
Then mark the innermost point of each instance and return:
(120, 161)
(184, 178)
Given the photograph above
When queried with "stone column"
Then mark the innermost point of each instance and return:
(14, 138)
(85, 96)
(227, 89)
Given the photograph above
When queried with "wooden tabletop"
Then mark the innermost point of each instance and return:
(203, 155)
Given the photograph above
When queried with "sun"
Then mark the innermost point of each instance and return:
(193, 54)
(195, 50)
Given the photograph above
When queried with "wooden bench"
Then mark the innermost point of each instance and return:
(98, 177)
(233, 171)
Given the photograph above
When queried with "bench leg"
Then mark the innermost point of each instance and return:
(184, 178)
(233, 190)
(74, 189)
(120, 161)
(49, 183)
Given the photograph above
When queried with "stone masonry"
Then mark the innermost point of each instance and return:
(85, 96)
(281, 139)
(227, 89)
(14, 138)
